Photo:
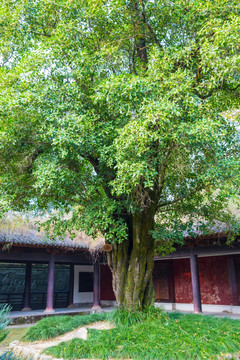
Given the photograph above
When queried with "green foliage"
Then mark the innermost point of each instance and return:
(53, 326)
(98, 125)
(122, 317)
(4, 320)
(11, 356)
(166, 336)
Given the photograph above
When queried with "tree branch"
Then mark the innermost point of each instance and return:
(138, 23)
(206, 96)
(149, 26)
(42, 34)
(133, 57)
(31, 158)
(106, 171)
(163, 168)
(180, 198)
(224, 86)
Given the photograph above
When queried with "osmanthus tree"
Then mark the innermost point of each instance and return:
(116, 112)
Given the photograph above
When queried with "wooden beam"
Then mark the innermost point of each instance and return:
(40, 255)
(96, 287)
(50, 289)
(71, 286)
(233, 282)
(201, 251)
(195, 283)
(27, 287)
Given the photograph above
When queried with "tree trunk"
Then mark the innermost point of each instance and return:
(131, 263)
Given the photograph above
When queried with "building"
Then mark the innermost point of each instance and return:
(36, 273)
(202, 275)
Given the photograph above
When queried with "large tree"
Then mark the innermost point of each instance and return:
(120, 113)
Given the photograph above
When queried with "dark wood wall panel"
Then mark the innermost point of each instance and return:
(163, 281)
(106, 290)
(214, 280)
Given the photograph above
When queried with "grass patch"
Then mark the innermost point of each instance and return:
(128, 318)
(4, 320)
(8, 355)
(14, 334)
(53, 326)
(159, 336)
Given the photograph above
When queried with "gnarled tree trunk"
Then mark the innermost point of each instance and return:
(131, 263)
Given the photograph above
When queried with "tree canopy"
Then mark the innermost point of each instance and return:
(121, 112)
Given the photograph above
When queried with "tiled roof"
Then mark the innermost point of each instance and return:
(36, 240)
(26, 234)
(219, 229)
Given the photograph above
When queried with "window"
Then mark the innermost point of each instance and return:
(85, 282)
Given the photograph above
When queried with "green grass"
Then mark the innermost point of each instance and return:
(53, 326)
(127, 318)
(4, 320)
(8, 355)
(14, 334)
(157, 336)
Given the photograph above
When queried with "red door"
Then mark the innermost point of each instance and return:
(163, 281)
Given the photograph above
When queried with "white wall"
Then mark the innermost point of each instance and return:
(208, 308)
(82, 297)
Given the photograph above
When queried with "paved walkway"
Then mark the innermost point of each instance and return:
(26, 318)
(220, 315)
(16, 314)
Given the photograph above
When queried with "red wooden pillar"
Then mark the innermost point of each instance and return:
(195, 283)
(50, 289)
(71, 286)
(27, 288)
(233, 282)
(96, 287)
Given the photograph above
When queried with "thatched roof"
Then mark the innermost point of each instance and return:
(217, 230)
(227, 226)
(15, 230)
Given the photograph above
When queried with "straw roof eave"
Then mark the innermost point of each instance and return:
(33, 239)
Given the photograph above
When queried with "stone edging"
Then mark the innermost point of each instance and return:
(28, 352)
(34, 350)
